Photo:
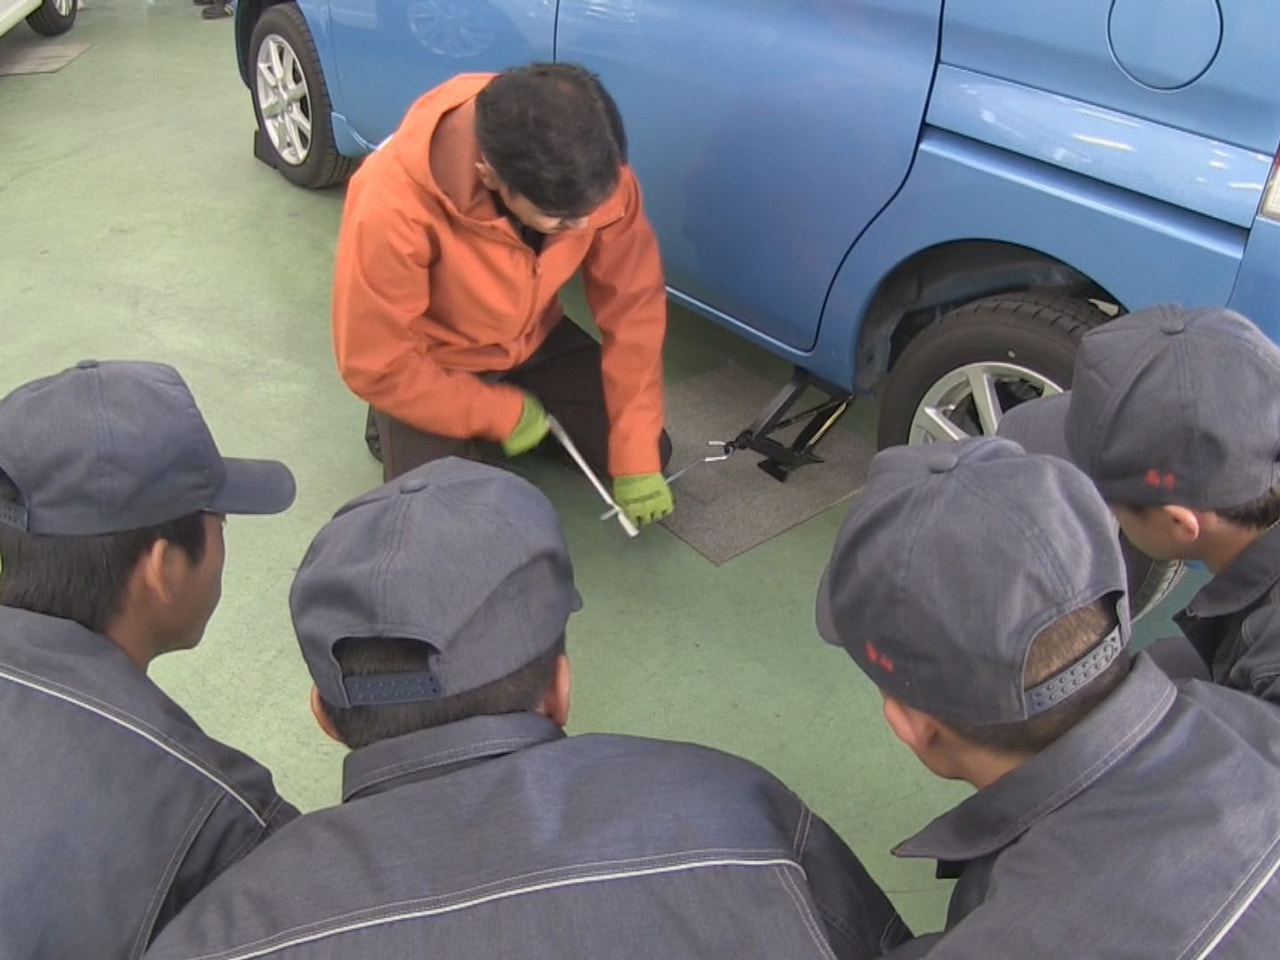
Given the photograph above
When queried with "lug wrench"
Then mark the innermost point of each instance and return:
(559, 433)
(726, 451)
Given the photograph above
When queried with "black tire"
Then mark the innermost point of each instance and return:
(48, 22)
(1038, 331)
(372, 439)
(1150, 581)
(323, 166)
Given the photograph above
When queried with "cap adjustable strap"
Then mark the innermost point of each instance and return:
(392, 688)
(1062, 685)
(13, 514)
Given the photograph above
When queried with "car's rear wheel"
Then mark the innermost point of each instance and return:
(372, 436)
(960, 376)
(53, 17)
(292, 102)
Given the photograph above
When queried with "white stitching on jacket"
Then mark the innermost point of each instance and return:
(137, 727)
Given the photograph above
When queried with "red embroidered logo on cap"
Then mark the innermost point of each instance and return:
(1155, 478)
(879, 659)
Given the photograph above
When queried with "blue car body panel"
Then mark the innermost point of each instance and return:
(1258, 286)
(1074, 48)
(1140, 250)
(390, 52)
(1194, 172)
(764, 152)
(796, 153)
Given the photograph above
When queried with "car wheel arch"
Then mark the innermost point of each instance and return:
(248, 12)
(931, 282)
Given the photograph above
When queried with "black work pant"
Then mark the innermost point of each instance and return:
(564, 374)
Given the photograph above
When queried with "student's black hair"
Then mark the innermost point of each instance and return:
(1259, 514)
(82, 579)
(360, 726)
(553, 135)
(1055, 648)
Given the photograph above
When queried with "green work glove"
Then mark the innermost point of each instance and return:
(645, 498)
(530, 431)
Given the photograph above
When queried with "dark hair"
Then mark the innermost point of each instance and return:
(1260, 514)
(553, 134)
(1055, 648)
(82, 579)
(360, 726)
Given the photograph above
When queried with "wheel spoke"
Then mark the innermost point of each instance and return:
(300, 121)
(985, 400)
(265, 75)
(277, 61)
(296, 92)
(934, 423)
(294, 138)
(289, 71)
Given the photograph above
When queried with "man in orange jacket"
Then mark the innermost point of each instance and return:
(456, 239)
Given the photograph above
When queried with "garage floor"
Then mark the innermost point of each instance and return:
(134, 223)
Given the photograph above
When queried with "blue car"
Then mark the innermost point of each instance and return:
(928, 200)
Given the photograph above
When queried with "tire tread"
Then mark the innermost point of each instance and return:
(1069, 316)
(46, 22)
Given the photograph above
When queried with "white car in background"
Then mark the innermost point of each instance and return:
(47, 17)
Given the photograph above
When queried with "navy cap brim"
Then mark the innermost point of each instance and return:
(1039, 426)
(254, 487)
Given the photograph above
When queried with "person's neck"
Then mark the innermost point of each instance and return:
(137, 644)
(1225, 545)
(982, 768)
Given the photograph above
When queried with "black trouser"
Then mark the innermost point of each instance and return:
(564, 374)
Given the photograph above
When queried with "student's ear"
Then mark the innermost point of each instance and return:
(556, 701)
(1183, 524)
(322, 716)
(915, 729)
(159, 571)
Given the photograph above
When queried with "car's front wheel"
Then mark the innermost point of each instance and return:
(53, 17)
(292, 102)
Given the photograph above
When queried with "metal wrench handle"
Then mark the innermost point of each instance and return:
(571, 448)
(726, 449)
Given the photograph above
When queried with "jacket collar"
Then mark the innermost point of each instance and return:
(1244, 582)
(995, 817)
(441, 750)
(88, 663)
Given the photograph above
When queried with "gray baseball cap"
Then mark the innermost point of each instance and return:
(1171, 406)
(115, 446)
(1039, 426)
(950, 562)
(466, 558)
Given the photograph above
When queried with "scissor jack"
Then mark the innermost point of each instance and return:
(782, 458)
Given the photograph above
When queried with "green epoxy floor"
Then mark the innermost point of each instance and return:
(134, 223)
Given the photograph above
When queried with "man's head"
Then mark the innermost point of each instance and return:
(982, 590)
(552, 144)
(112, 500)
(1175, 415)
(440, 596)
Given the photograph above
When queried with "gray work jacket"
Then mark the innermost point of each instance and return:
(1152, 829)
(498, 837)
(1234, 621)
(116, 808)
